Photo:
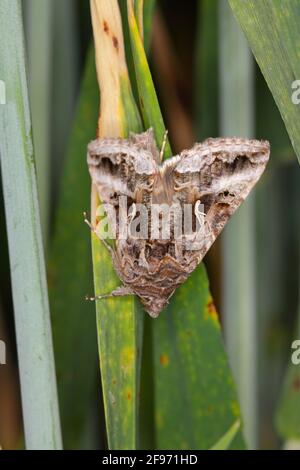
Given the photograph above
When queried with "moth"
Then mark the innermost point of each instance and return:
(212, 179)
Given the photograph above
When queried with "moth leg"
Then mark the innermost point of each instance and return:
(178, 250)
(131, 215)
(206, 221)
(118, 292)
(93, 229)
(142, 258)
(181, 186)
(201, 215)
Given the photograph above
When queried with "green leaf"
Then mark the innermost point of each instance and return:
(287, 419)
(206, 83)
(288, 413)
(269, 124)
(226, 440)
(238, 238)
(272, 29)
(39, 34)
(149, 107)
(119, 320)
(66, 76)
(119, 325)
(70, 272)
(190, 411)
(149, 8)
(28, 276)
(146, 405)
(146, 9)
(195, 397)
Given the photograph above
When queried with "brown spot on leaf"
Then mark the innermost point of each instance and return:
(115, 43)
(164, 360)
(128, 396)
(114, 381)
(211, 307)
(296, 383)
(105, 27)
(142, 102)
(211, 310)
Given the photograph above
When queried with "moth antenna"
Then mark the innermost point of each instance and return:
(163, 145)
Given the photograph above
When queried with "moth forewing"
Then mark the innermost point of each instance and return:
(211, 180)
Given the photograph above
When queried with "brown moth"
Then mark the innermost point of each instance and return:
(213, 178)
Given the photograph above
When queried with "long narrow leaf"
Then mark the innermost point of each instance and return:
(206, 83)
(239, 293)
(192, 376)
(70, 273)
(195, 397)
(146, 405)
(119, 321)
(65, 71)
(147, 96)
(272, 28)
(148, 13)
(38, 23)
(34, 341)
(288, 412)
(225, 441)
